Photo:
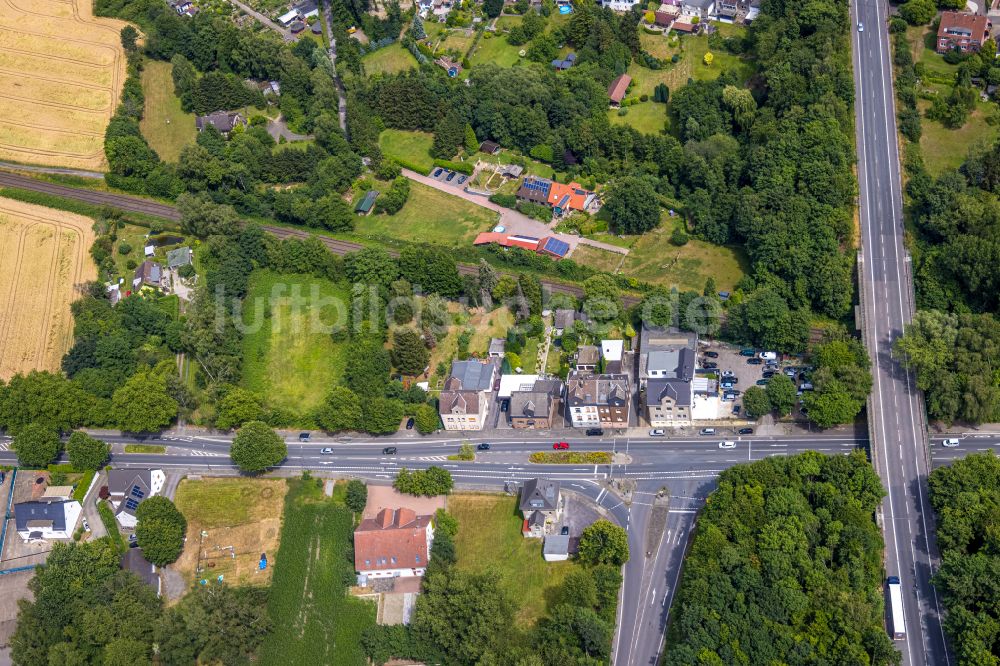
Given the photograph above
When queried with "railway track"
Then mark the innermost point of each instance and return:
(134, 204)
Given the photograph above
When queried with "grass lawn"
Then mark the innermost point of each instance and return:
(654, 259)
(288, 354)
(145, 448)
(945, 149)
(239, 512)
(529, 356)
(692, 49)
(389, 60)
(411, 147)
(496, 51)
(315, 620)
(489, 535)
(597, 258)
(647, 117)
(430, 216)
(483, 326)
(166, 127)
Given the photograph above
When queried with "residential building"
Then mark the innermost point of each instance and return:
(536, 408)
(367, 203)
(181, 256)
(465, 400)
(598, 400)
(489, 147)
(224, 121)
(497, 348)
(563, 320)
(129, 487)
(727, 9)
(557, 196)
(540, 504)
(148, 274)
(549, 245)
(587, 358)
(395, 543)
(133, 560)
(665, 15)
(299, 12)
(619, 5)
(667, 360)
(612, 350)
(703, 9)
(556, 548)
(962, 31)
(46, 519)
(668, 403)
(618, 88)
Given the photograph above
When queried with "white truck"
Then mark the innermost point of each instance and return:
(896, 604)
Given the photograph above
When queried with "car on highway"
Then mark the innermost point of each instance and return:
(326, 451)
(710, 365)
(746, 431)
(303, 437)
(755, 361)
(389, 451)
(748, 352)
(656, 432)
(594, 432)
(950, 443)
(560, 445)
(727, 445)
(483, 447)
(712, 354)
(768, 355)
(437, 172)
(451, 175)
(707, 431)
(462, 179)
(762, 382)
(861, 26)
(409, 423)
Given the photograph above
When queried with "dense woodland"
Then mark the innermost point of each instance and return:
(966, 497)
(785, 567)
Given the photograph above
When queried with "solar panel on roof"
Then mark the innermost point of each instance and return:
(131, 504)
(556, 246)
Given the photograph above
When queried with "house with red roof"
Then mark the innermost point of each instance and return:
(395, 543)
(618, 88)
(962, 31)
(561, 198)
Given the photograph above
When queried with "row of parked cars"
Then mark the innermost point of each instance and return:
(451, 176)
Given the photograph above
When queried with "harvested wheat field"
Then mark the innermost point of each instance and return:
(240, 519)
(44, 259)
(61, 72)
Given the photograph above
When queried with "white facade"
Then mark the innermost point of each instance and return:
(620, 5)
(465, 421)
(585, 416)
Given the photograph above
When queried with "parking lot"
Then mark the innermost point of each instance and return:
(746, 374)
(442, 175)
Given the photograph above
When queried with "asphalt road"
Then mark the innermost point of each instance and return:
(899, 443)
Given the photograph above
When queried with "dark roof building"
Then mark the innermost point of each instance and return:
(470, 376)
(29, 515)
(148, 274)
(539, 495)
(224, 121)
(489, 147)
(553, 247)
(365, 206)
(561, 64)
(182, 256)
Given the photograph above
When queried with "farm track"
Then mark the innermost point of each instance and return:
(133, 204)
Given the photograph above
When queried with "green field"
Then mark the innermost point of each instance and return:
(315, 620)
(430, 216)
(489, 536)
(389, 60)
(647, 117)
(413, 148)
(289, 356)
(222, 502)
(496, 51)
(166, 127)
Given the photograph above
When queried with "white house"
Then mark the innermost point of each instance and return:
(393, 544)
(129, 487)
(612, 350)
(619, 5)
(46, 520)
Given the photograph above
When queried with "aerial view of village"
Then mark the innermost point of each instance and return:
(500, 332)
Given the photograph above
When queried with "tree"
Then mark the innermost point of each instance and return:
(381, 416)
(409, 353)
(633, 205)
(602, 298)
(36, 446)
(514, 360)
(755, 402)
(356, 496)
(493, 7)
(47, 399)
(708, 58)
(128, 35)
(781, 394)
(603, 542)
(431, 481)
(471, 142)
(918, 12)
(86, 452)
(160, 530)
(214, 624)
(371, 266)
(257, 447)
(368, 366)
(237, 407)
(426, 418)
(142, 404)
(741, 103)
(417, 30)
(340, 411)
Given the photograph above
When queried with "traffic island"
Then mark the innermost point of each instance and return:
(574, 458)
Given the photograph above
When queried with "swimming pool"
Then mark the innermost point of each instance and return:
(566, 9)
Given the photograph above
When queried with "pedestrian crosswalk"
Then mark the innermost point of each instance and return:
(207, 454)
(4, 446)
(427, 458)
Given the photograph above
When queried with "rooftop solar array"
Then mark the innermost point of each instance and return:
(556, 246)
(537, 185)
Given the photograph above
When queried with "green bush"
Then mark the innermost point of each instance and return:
(505, 200)
(462, 167)
(111, 525)
(80, 491)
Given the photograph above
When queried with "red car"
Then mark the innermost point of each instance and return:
(560, 445)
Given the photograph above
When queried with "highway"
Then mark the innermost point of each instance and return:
(898, 431)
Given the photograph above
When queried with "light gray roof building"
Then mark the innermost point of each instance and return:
(470, 376)
(539, 495)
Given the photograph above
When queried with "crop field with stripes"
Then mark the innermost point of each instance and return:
(44, 260)
(61, 73)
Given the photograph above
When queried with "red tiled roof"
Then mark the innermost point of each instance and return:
(616, 91)
(682, 27)
(663, 18)
(487, 237)
(393, 539)
(577, 195)
(974, 23)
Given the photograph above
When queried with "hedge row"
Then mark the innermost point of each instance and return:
(462, 167)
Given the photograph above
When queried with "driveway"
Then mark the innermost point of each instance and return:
(285, 34)
(279, 129)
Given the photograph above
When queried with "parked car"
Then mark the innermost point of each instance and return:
(462, 179)
(727, 445)
(326, 450)
(729, 396)
(409, 423)
(565, 530)
(768, 374)
(86, 525)
(790, 372)
(303, 437)
(451, 175)
(483, 447)
(560, 445)
(727, 384)
(656, 432)
(736, 410)
(748, 352)
(707, 431)
(437, 172)
(389, 451)
(755, 361)
(762, 382)
(950, 443)
(710, 365)
(728, 373)
(768, 356)
(806, 386)
(594, 432)
(712, 354)
(746, 431)
(504, 404)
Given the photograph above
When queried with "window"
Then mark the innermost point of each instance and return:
(418, 559)
(367, 562)
(393, 559)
